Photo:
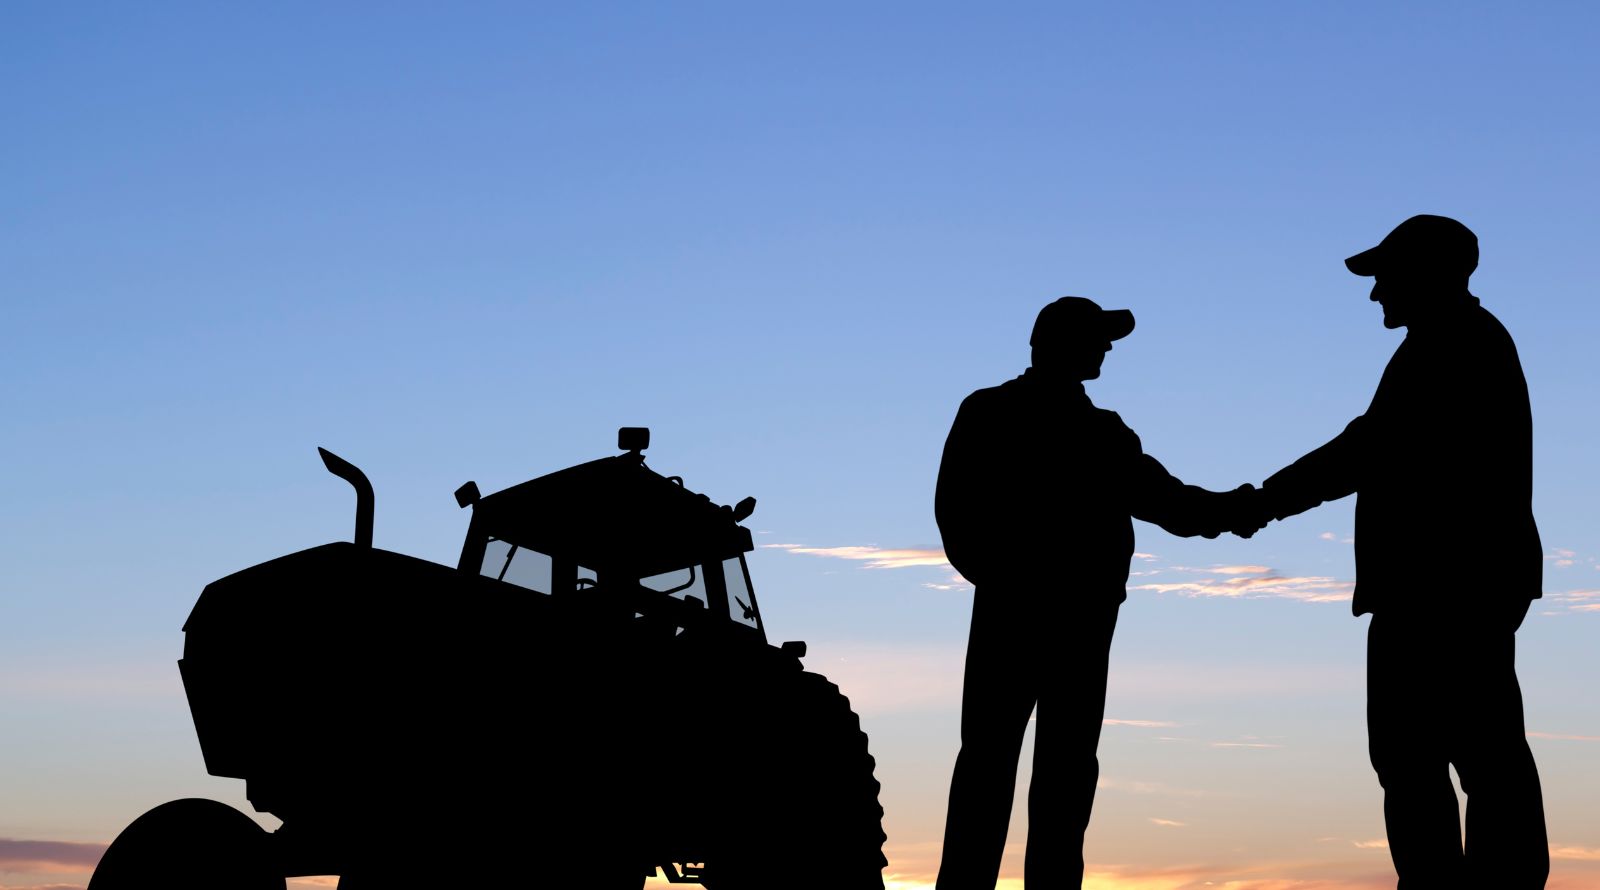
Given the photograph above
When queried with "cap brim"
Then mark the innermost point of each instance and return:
(1116, 323)
(1366, 263)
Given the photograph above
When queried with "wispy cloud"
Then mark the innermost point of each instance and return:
(1168, 823)
(1575, 853)
(1568, 601)
(873, 557)
(1244, 745)
(1238, 581)
(1146, 724)
(1238, 570)
(1254, 582)
(1376, 844)
(1561, 557)
(48, 856)
(1563, 737)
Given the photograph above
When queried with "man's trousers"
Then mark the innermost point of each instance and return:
(1027, 657)
(1443, 692)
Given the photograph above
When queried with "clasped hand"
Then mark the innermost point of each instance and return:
(1242, 511)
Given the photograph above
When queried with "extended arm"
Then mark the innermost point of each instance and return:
(1184, 510)
(1325, 474)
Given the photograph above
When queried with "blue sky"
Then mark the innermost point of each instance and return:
(454, 243)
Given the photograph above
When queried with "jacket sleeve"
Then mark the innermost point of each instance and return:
(964, 502)
(1326, 474)
(1157, 496)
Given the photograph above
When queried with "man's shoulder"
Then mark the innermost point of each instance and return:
(1002, 395)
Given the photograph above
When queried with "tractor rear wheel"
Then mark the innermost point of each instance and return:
(190, 844)
(809, 812)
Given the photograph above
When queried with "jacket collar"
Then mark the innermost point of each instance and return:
(1066, 392)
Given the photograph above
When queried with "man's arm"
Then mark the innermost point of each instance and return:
(1325, 474)
(963, 501)
(1157, 496)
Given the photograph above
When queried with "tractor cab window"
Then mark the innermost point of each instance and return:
(507, 562)
(682, 583)
(741, 601)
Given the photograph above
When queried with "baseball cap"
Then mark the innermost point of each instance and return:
(1423, 243)
(1075, 315)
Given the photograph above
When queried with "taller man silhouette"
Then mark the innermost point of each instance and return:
(1035, 493)
(1447, 561)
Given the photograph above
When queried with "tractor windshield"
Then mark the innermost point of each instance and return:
(741, 595)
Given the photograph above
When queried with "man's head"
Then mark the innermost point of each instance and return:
(1419, 267)
(1072, 336)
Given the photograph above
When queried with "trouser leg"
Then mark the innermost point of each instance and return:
(1066, 729)
(1407, 720)
(1506, 846)
(996, 698)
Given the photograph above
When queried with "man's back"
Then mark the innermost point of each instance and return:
(1030, 482)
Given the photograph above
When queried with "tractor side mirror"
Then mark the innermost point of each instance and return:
(467, 495)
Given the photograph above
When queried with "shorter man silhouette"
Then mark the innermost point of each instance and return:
(1035, 494)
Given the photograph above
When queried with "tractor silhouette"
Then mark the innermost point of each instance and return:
(587, 699)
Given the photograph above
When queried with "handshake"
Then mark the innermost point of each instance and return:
(1242, 511)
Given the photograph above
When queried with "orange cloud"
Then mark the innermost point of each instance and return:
(1563, 737)
(1168, 823)
(1144, 724)
(874, 557)
(886, 558)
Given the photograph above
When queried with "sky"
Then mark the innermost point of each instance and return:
(469, 241)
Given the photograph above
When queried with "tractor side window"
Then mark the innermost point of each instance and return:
(741, 604)
(587, 577)
(517, 565)
(682, 583)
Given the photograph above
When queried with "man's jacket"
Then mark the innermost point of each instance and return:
(1443, 463)
(1037, 484)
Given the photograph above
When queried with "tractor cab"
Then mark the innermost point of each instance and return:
(617, 532)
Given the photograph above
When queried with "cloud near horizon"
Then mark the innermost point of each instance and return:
(48, 857)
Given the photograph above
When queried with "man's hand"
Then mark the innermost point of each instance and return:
(1245, 510)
